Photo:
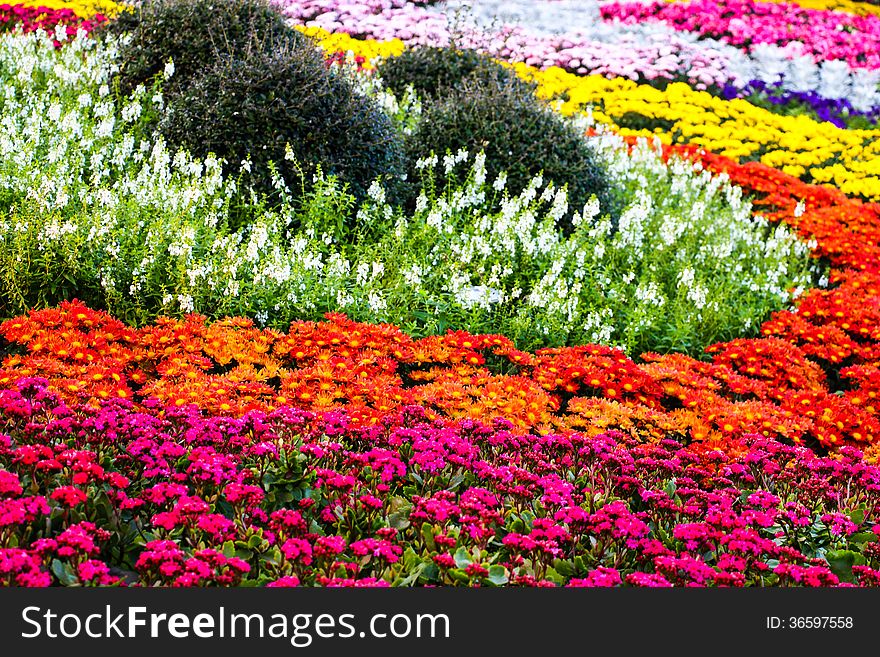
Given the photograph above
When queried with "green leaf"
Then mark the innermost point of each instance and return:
(455, 482)
(413, 575)
(860, 538)
(564, 568)
(398, 520)
(64, 573)
(410, 558)
(430, 572)
(462, 558)
(842, 561)
(428, 535)
(554, 577)
(857, 516)
(498, 575)
(228, 549)
(272, 557)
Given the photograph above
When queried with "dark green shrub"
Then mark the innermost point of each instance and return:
(637, 121)
(258, 102)
(432, 71)
(194, 33)
(519, 134)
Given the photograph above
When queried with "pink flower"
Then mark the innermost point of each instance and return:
(10, 486)
(297, 549)
(288, 581)
(68, 496)
(650, 580)
(249, 496)
(601, 577)
(382, 549)
(329, 546)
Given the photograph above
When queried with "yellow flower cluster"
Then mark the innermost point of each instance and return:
(82, 8)
(814, 151)
(369, 50)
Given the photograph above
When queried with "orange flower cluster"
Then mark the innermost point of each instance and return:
(837, 329)
(230, 367)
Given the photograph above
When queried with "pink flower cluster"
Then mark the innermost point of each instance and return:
(827, 35)
(655, 55)
(294, 498)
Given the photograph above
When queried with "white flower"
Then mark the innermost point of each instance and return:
(686, 277)
(421, 203)
(426, 162)
(448, 163)
(131, 111)
(186, 303)
(376, 192)
(375, 301)
(500, 182)
(478, 294)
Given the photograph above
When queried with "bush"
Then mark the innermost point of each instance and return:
(148, 232)
(433, 71)
(519, 135)
(194, 33)
(256, 104)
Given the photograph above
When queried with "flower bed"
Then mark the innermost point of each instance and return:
(816, 152)
(184, 451)
(572, 35)
(826, 34)
(148, 233)
(40, 17)
(153, 496)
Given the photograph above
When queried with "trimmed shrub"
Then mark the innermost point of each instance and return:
(519, 135)
(256, 104)
(433, 71)
(194, 33)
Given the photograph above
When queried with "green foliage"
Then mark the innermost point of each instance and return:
(245, 85)
(283, 106)
(194, 33)
(636, 121)
(519, 135)
(433, 71)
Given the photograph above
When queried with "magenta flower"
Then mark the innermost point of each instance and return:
(297, 549)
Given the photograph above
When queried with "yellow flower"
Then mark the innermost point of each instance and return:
(369, 50)
(82, 8)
